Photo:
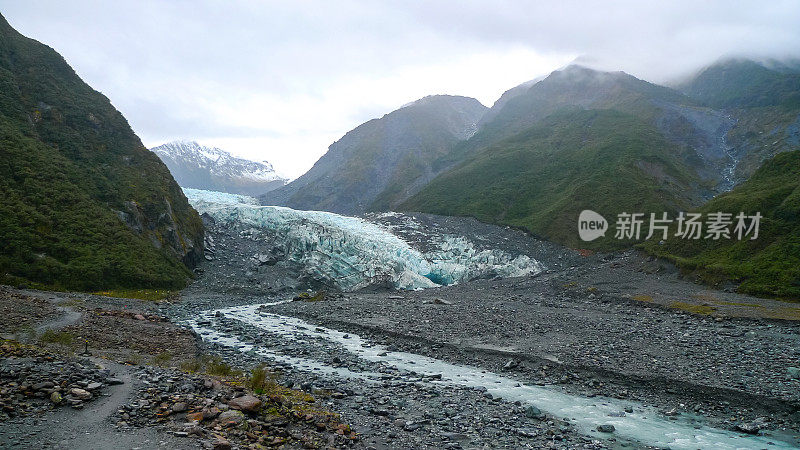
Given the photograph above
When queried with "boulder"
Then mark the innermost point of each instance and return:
(231, 416)
(246, 403)
(80, 394)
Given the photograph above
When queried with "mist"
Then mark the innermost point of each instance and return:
(280, 82)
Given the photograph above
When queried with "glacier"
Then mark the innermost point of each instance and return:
(351, 253)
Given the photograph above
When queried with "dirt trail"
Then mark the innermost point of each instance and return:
(91, 427)
(94, 425)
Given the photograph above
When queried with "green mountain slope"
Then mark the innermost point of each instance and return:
(742, 83)
(582, 139)
(763, 100)
(540, 179)
(573, 86)
(383, 161)
(83, 204)
(769, 265)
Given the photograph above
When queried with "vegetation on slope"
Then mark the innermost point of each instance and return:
(540, 179)
(764, 101)
(383, 161)
(769, 265)
(83, 204)
(739, 83)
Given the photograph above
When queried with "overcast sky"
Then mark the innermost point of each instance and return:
(281, 81)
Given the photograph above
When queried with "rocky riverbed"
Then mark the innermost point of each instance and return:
(619, 327)
(593, 351)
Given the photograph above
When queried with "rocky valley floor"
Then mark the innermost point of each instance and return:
(596, 351)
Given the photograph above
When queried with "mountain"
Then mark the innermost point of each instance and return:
(583, 139)
(743, 83)
(383, 161)
(213, 169)
(768, 265)
(763, 101)
(83, 204)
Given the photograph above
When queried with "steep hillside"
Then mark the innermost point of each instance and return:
(383, 161)
(769, 265)
(84, 204)
(583, 139)
(697, 131)
(200, 167)
(763, 100)
(743, 83)
(540, 179)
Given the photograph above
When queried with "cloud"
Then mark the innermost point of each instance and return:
(282, 80)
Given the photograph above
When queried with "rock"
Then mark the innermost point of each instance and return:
(195, 417)
(438, 301)
(412, 426)
(211, 413)
(246, 403)
(80, 394)
(231, 416)
(94, 386)
(56, 398)
(533, 412)
(794, 372)
(752, 427)
(606, 428)
(221, 444)
(511, 364)
(139, 317)
(114, 381)
(179, 407)
(43, 385)
(672, 412)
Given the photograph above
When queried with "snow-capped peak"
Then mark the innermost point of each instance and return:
(204, 167)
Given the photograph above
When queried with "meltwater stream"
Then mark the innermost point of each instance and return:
(644, 425)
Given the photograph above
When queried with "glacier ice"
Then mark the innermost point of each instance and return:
(352, 253)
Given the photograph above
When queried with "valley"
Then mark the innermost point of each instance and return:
(423, 284)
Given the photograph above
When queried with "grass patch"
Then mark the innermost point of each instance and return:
(693, 308)
(260, 380)
(310, 297)
(72, 301)
(139, 294)
(194, 365)
(163, 358)
(749, 305)
(643, 298)
(57, 337)
(788, 313)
